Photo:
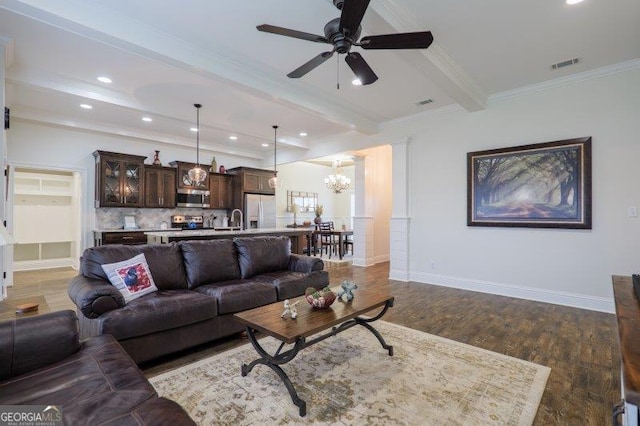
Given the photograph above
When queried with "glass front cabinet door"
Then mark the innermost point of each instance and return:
(119, 179)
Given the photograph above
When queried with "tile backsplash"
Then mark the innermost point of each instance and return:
(113, 218)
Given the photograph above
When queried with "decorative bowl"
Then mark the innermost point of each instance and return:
(320, 299)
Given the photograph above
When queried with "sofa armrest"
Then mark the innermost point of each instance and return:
(29, 343)
(94, 297)
(299, 263)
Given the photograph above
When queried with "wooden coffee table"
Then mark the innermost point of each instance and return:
(339, 317)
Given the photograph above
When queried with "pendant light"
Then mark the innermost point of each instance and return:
(273, 182)
(197, 174)
(337, 182)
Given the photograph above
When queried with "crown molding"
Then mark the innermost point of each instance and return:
(567, 80)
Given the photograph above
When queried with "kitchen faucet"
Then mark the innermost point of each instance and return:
(241, 217)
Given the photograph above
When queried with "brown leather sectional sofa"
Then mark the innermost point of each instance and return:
(201, 285)
(94, 382)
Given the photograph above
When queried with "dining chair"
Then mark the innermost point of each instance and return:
(328, 242)
(348, 242)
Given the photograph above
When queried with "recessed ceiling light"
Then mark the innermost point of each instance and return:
(356, 82)
(85, 106)
(194, 129)
(104, 79)
(233, 138)
(574, 1)
(303, 134)
(265, 145)
(147, 119)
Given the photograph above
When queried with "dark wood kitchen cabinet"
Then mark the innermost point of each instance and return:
(159, 187)
(102, 238)
(119, 179)
(253, 181)
(220, 187)
(183, 180)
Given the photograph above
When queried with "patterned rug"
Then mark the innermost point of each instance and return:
(350, 379)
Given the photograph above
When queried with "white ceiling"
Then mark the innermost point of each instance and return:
(164, 56)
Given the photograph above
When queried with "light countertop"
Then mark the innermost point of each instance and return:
(206, 232)
(135, 230)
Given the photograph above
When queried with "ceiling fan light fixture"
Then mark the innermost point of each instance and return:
(572, 2)
(197, 174)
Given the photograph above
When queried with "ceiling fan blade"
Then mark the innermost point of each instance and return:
(313, 63)
(360, 68)
(266, 28)
(419, 40)
(352, 14)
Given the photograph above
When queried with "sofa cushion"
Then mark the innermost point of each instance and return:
(22, 340)
(258, 255)
(93, 385)
(131, 277)
(209, 261)
(293, 284)
(239, 295)
(159, 311)
(165, 262)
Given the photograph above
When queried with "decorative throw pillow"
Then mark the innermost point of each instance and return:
(131, 277)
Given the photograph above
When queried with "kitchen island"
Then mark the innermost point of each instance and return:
(300, 237)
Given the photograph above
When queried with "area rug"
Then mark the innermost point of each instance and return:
(350, 379)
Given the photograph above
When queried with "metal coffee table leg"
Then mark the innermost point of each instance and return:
(274, 362)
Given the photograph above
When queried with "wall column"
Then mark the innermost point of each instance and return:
(363, 224)
(4, 250)
(400, 220)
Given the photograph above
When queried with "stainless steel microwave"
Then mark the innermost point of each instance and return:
(193, 198)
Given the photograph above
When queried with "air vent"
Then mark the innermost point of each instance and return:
(426, 101)
(566, 63)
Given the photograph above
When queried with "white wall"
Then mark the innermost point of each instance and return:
(309, 177)
(54, 147)
(571, 267)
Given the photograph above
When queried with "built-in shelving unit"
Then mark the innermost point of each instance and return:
(43, 216)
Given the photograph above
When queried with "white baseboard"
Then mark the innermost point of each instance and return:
(32, 265)
(398, 275)
(548, 296)
(382, 258)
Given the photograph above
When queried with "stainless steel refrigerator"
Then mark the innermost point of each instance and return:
(259, 211)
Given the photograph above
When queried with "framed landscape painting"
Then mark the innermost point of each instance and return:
(545, 185)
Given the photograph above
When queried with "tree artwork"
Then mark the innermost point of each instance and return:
(541, 185)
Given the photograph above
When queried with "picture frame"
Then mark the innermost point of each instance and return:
(543, 185)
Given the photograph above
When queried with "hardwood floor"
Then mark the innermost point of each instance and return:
(579, 346)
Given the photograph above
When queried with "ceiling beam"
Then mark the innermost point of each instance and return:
(90, 20)
(434, 62)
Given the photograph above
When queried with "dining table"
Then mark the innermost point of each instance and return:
(342, 234)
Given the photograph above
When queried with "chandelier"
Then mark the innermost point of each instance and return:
(197, 174)
(273, 182)
(337, 182)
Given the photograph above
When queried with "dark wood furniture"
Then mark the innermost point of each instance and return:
(628, 317)
(338, 317)
(220, 187)
(102, 238)
(341, 234)
(182, 179)
(8, 307)
(119, 180)
(328, 241)
(253, 181)
(159, 187)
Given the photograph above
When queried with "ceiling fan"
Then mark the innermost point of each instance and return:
(343, 32)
